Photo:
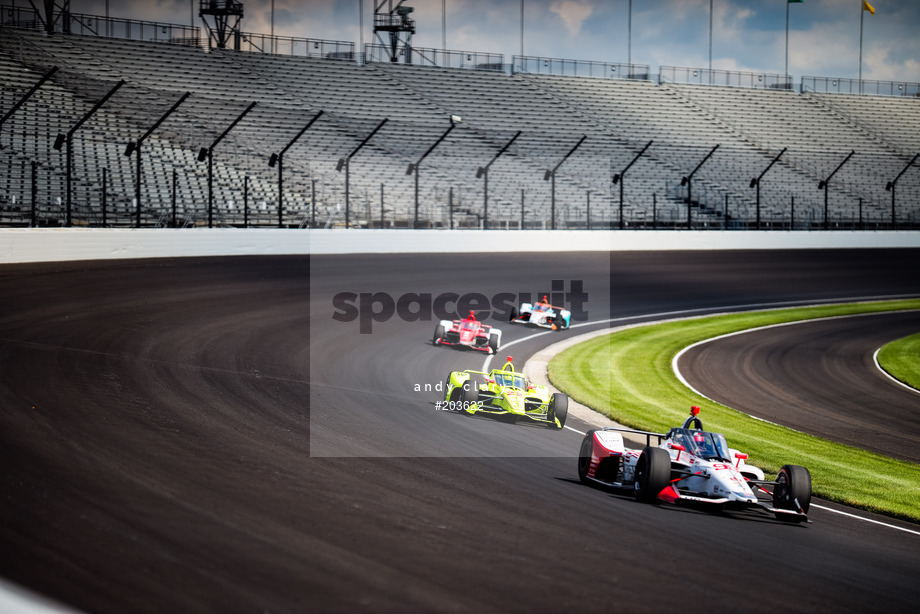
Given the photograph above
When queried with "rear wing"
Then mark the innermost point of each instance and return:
(475, 372)
(648, 434)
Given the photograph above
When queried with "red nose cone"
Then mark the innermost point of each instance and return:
(510, 358)
(695, 410)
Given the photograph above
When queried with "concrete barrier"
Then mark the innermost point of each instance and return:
(68, 244)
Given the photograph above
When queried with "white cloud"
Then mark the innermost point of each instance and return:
(573, 13)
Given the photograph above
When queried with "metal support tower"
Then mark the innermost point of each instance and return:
(51, 13)
(394, 29)
(226, 15)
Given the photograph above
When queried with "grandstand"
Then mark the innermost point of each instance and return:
(743, 127)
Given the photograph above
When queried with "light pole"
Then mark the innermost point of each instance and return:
(755, 183)
(552, 175)
(483, 171)
(618, 178)
(67, 139)
(346, 162)
(688, 181)
(136, 146)
(413, 168)
(278, 159)
(892, 184)
(207, 153)
(822, 185)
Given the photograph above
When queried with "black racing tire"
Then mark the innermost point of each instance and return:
(558, 408)
(470, 396)
(793, 483)
(494, 343)
(514, 314)
(653, 472)
(456, 395)
(585, 452)
(559, 321)
(438, 334)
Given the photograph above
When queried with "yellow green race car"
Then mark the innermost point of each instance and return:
(504, 391)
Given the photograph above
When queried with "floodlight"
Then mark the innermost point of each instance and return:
(616, 178)
(203, 154)
(455, 119)
(339, 166)
(273, 160)
(410, 169)
(683, 181)
(59, 141)
(821, 185)
(480, 172)
(754, 183)
(130, 148)
(888, 187)
(404, 10)
(547, 175)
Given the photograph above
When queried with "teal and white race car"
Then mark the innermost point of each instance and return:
(504, 391)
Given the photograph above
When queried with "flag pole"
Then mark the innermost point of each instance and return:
(862, 16)
(710, 42)
(786, 74)
(629, 37)
(522, 30)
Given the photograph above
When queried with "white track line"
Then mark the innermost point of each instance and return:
(889, 375)
(683, 380)
(863, 518)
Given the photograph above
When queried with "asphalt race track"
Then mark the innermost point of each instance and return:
(818, 377)
(202, 435)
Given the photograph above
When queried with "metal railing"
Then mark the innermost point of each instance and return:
(108, 27)
(729, 78)
(579, 68)
(437, 57)
(300, 47)
(836, 85)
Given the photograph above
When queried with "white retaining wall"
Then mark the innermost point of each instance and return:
(61, 244)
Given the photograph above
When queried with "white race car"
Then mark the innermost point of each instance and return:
(542, 314)
(692, 466)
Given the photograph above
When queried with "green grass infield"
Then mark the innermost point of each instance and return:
(901, 359)
(627, 376)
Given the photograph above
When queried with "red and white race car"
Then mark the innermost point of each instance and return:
(469, 332)
(692, 466)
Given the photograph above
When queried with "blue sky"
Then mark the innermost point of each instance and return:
(747, 34)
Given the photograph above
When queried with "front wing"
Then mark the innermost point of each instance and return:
(490, 403)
